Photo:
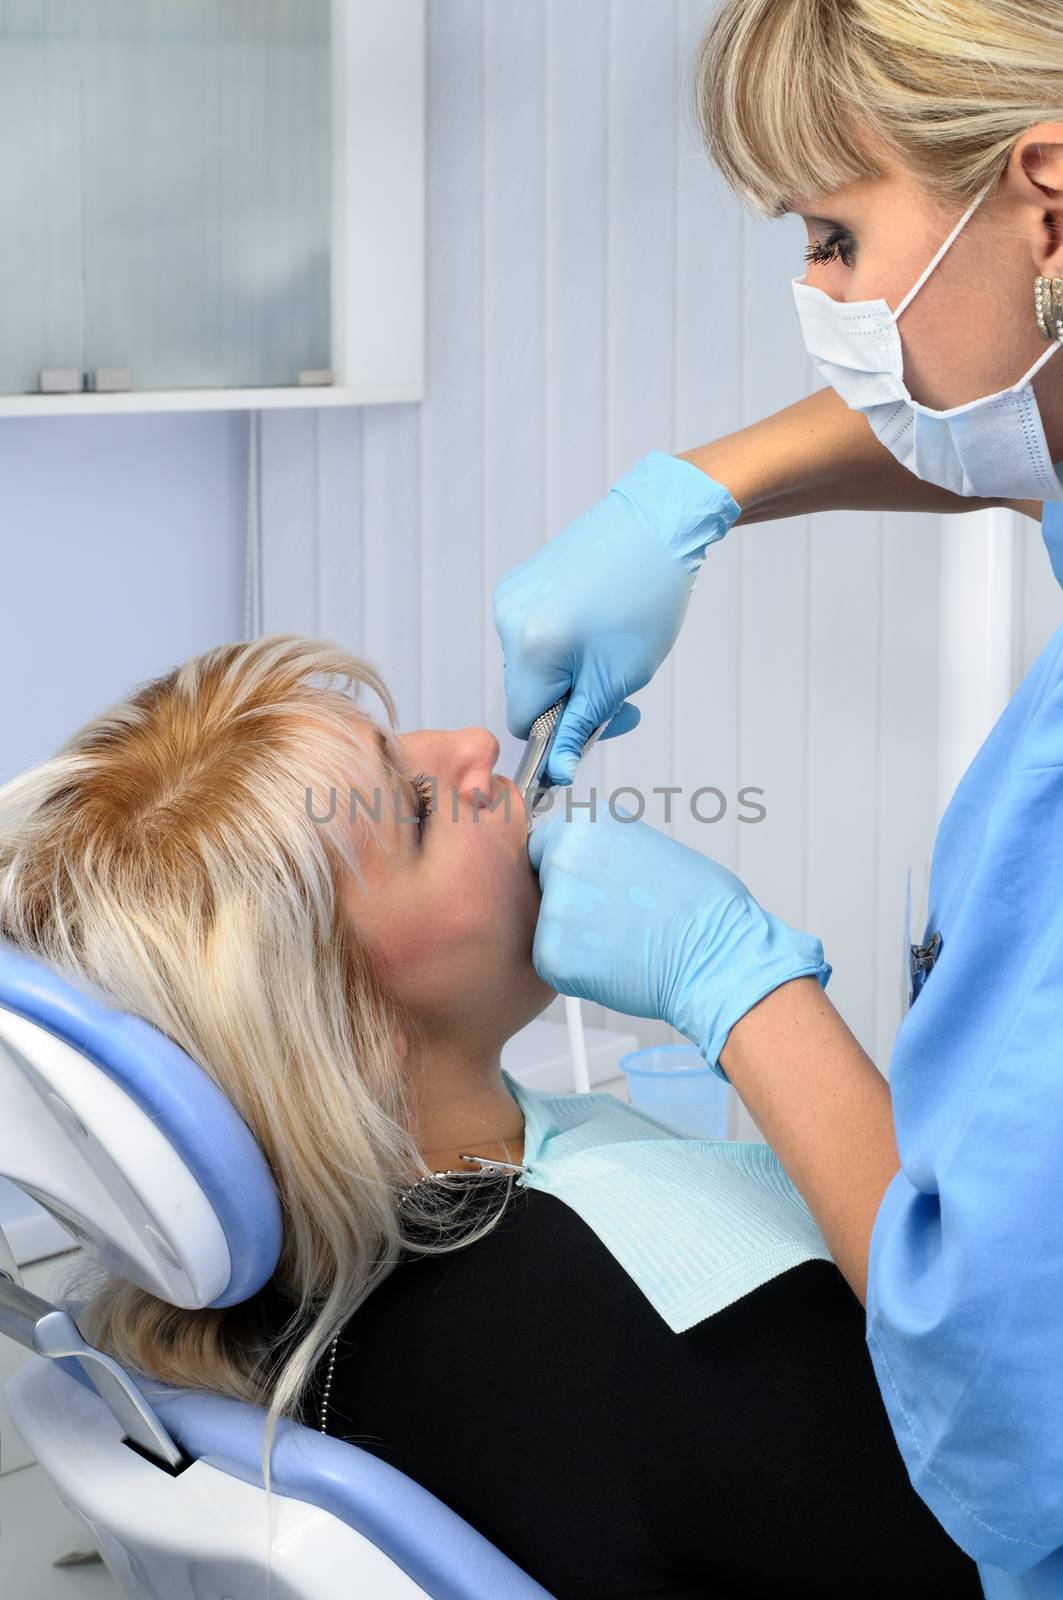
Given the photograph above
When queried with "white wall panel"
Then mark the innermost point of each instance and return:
(512, 445)
(453, 675)
(394, 597)
(289, 577)
(709, 361)
(121, 555)
(640, 286)
(576, 148)
(594, 292)
(898, 821)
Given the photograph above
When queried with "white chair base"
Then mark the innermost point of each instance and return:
(143, 1518)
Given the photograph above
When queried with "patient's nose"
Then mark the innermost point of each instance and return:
(474, 752)
(459, 758)
(487, 745)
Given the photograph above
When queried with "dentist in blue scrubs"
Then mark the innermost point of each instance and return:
(922, 143)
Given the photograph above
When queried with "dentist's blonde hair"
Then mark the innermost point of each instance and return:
(789, 91)
(169, 855)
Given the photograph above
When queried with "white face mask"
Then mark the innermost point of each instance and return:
(993, 448)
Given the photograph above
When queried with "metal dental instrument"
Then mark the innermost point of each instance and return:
(531, 777)
(532, 781)
(489, 1164)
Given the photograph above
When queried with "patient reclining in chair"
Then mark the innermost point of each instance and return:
(335, 920)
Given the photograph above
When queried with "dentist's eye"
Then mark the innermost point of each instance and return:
(837, 246)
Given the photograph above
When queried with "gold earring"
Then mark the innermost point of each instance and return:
(1048, 307)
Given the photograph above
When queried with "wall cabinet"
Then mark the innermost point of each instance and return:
(210, 203)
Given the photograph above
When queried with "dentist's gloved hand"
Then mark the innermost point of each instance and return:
(597, 609)
(634, 920)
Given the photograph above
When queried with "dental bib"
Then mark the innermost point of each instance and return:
(991, 448)
(695, 1223)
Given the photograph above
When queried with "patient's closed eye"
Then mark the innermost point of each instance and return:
(423, 793)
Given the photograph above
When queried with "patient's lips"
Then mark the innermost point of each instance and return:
(503, 800)
(517, 807)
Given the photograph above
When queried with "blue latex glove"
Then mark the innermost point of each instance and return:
(634, 920)
(597, 609)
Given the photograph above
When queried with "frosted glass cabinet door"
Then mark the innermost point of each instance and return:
(40, 178)
(206, 192)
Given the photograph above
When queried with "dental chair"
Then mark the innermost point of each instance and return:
(121, 1136)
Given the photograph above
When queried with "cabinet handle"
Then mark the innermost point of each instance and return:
(61, 380)
(111, 380)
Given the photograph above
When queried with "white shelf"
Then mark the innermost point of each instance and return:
(85, 404)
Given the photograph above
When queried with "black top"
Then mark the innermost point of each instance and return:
(528, 1383)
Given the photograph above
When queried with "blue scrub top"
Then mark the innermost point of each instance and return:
(965, 1292)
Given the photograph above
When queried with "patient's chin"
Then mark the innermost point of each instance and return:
(536, 996)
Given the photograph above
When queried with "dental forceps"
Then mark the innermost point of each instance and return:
(531, 776)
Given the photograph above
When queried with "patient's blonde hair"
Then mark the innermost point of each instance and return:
(794, 95)
(167, 855)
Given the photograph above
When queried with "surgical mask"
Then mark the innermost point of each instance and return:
(994, 448)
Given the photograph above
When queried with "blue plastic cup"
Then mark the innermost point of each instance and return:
(673, 1083)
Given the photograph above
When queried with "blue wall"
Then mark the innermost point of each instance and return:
(121, 554)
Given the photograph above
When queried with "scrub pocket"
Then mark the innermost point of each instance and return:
(918, 959)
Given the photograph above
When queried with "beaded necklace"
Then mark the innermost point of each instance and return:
(487, 1168)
